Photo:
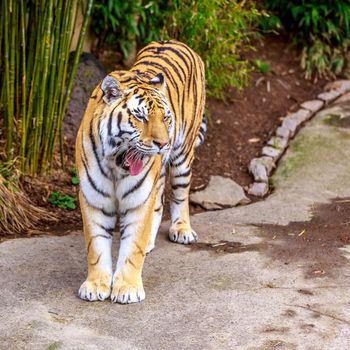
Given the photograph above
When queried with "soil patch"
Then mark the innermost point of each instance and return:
(314, 244)
(40, 189)
(242, 125)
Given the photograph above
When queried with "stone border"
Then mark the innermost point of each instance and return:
(261, 168)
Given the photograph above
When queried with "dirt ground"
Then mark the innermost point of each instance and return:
(238, 127)
(241, 127)
(316, 241)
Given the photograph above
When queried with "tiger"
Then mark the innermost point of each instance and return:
(139, 124)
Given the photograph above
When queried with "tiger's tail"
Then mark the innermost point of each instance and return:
(202, 131)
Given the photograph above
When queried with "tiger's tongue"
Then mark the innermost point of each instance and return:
(135, 164)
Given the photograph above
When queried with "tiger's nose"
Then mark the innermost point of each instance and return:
(160, 145)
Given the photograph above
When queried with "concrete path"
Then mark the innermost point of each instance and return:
(266, 293)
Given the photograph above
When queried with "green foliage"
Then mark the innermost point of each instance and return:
(62, 201)
(322, 28)
(74, 177)
(121, 23)
(270, 23)
(35, 39)
(262, 67)
(218, 30)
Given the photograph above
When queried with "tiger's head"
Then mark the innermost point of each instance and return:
(138, 120)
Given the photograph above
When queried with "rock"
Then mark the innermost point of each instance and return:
(278, 142)
(258, 189)
(341, 85)
(274, 153)
(344, 85)
(261, 167)
(220, 193)
(258, 171)
(89, 73)
(291, 124)
(268, 162)
(313, 105)
(343, 98)
(329, 96)
(283, 132)
(292, 121)
(302, 115)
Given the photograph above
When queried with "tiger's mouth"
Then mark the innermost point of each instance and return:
(130, 160)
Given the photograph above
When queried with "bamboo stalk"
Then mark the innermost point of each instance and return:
(49, 107)
(63, 60)
(18, 55)
(8, 111)
(77, 54)
(32, 19)
(35, 85)
(1, 36)
(42, 89)
(30, 51)
(2, 9)
(43, 20)
(68, 45)
(23, 114)
(32, 72)
(54, 80)
(33, 148)
(12, 75)
(69, 34)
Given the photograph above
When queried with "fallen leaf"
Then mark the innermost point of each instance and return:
(199, 187)
(218, 244)
(301, 233)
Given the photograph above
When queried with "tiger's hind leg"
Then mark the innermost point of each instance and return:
(180, 178)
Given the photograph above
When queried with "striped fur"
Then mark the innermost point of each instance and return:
(151, 115)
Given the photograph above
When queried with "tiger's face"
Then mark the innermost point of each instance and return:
(139, 122)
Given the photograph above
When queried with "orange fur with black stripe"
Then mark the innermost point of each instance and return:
(138, 123)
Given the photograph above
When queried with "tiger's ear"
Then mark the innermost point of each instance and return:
(159, 82)
(111, 89)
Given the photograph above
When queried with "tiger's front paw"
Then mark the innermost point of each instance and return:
(182, 235)
(96, 289)
(127, 294)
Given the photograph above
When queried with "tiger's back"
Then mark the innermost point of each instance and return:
(136, 124)
(184, 72)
